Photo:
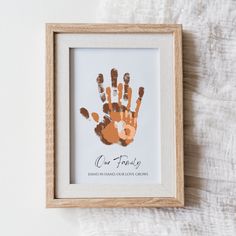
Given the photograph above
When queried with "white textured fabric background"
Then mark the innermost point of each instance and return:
(209, 57)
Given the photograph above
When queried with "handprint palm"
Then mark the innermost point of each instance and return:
(119, 123)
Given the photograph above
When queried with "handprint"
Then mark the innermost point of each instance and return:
(119, 124)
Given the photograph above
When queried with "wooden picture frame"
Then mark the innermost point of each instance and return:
(53, 123)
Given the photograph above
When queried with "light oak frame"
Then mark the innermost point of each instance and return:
(51, 200)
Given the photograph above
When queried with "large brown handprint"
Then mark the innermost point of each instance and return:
(119, 124)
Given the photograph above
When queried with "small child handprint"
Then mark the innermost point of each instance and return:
(119, 124)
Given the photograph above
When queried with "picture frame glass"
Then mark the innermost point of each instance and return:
(115, 157)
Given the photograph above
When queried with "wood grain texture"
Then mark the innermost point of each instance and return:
(50, 116)
(179, 114)
(53, 29)
(115, 202)
(112, 28)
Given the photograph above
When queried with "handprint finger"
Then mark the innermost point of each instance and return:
(84, 112)
(101, 88)
(121, 115)
(129, 98)
(126, 79)
(120, 90)
(114, 75)
(133, 122)
(138, 102)
(125, 117)
(129, 117)
(108, 91)
(95, 116)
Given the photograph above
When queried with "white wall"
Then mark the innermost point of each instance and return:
(22, 115)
